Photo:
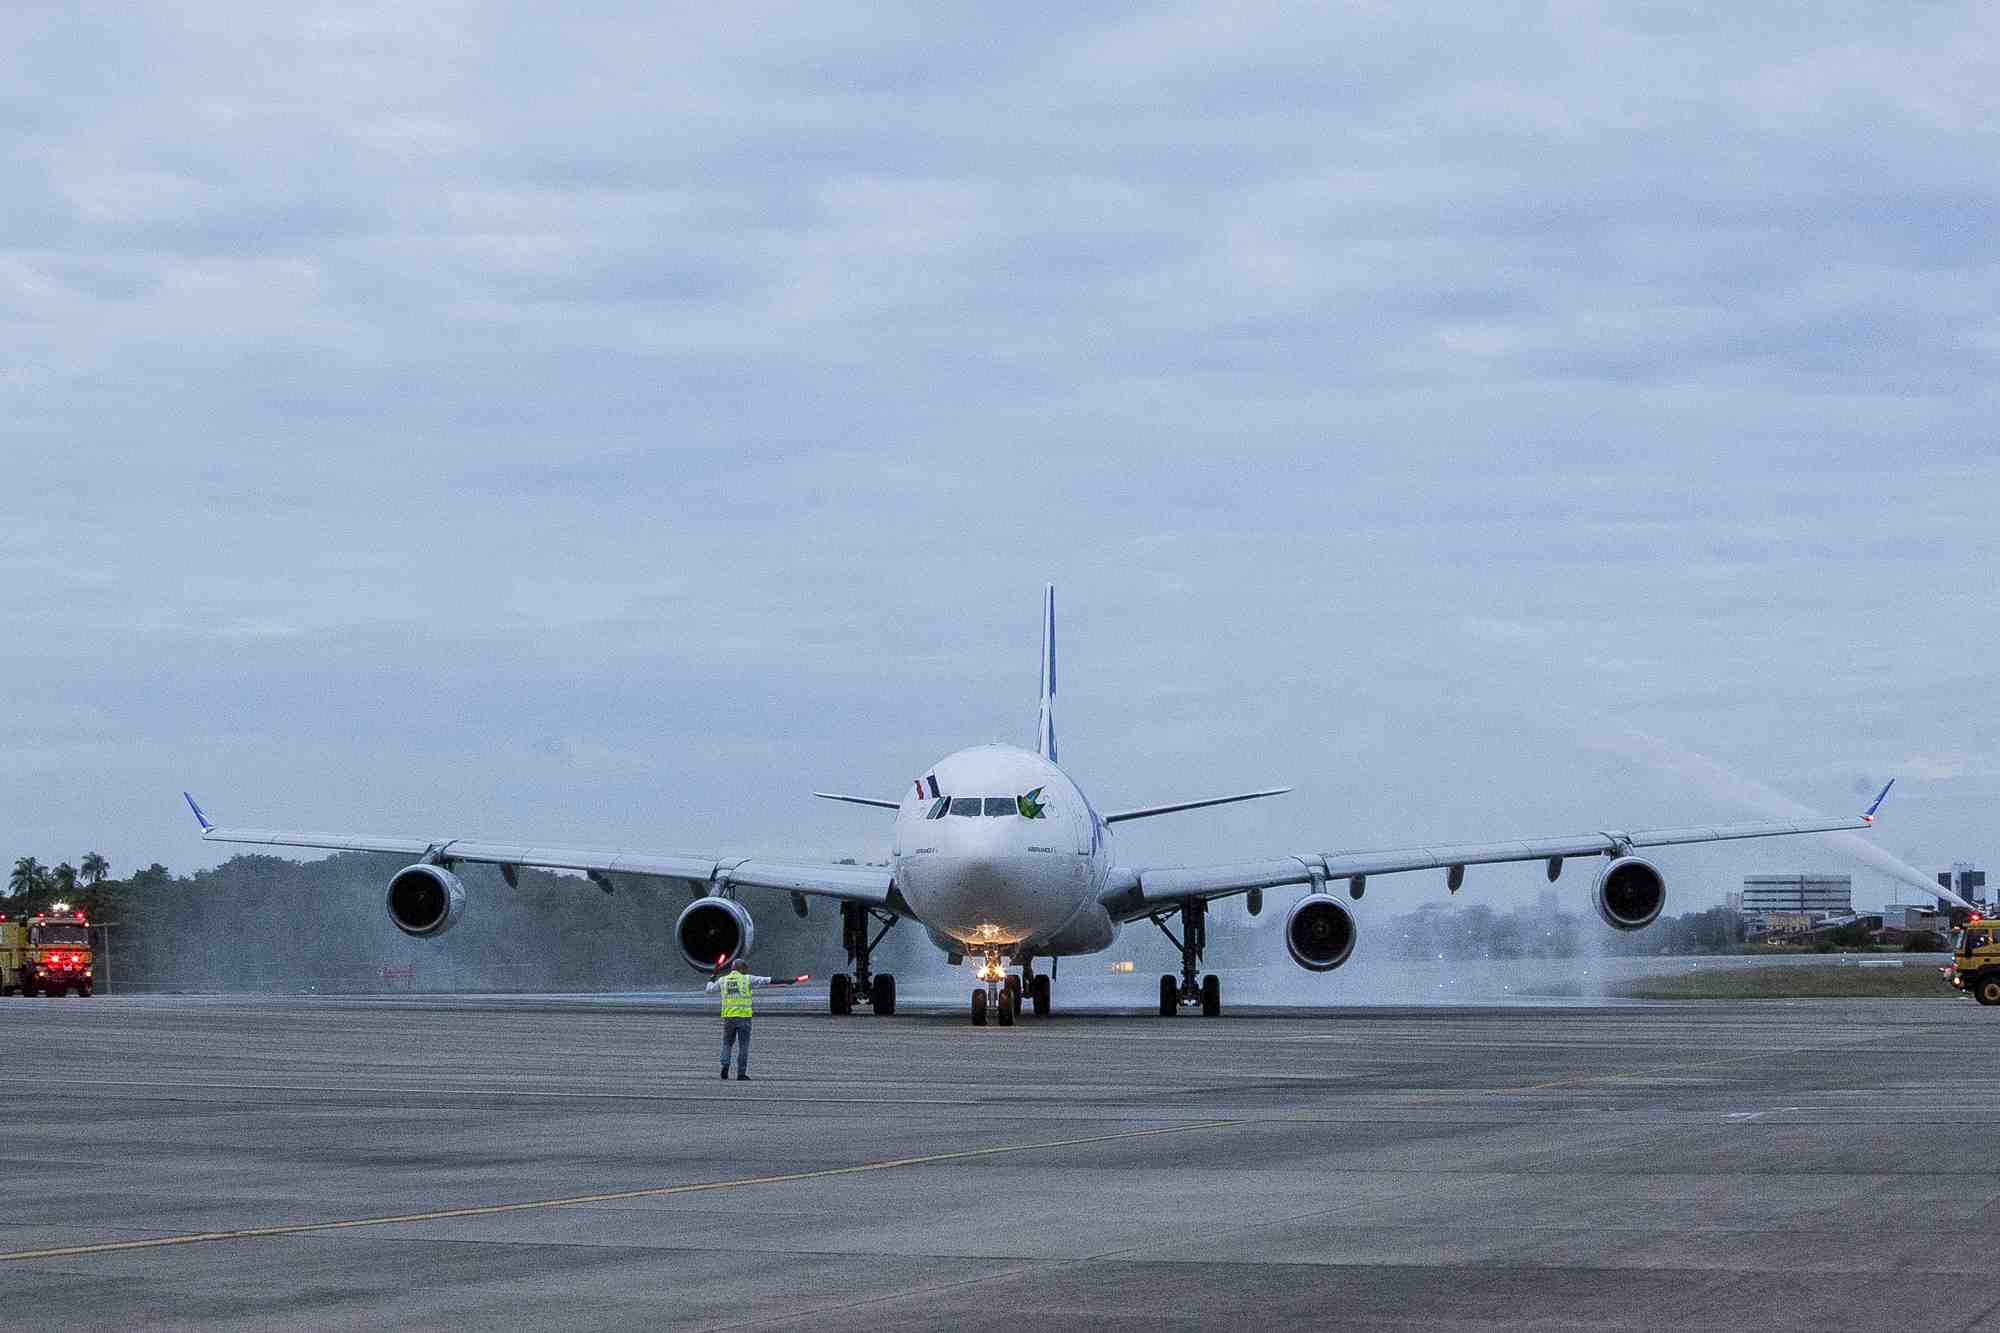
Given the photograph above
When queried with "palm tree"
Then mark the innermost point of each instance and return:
(63, 879)
(95, 868)
(29, 875)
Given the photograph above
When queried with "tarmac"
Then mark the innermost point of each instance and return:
(573, 1162)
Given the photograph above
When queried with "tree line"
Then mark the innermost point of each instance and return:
(31, 880)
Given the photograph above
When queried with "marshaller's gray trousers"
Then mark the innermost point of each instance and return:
(736, 1032)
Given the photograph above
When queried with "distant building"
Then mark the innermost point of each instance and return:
(1797, 895)
(1965, 881)
(1904, 919)
(1784, 923)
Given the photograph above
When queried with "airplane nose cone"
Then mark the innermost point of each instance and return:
(994, 881)
(987, 894)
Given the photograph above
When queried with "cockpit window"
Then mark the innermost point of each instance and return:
(965, 805)
(938, 807)
(1001, 805)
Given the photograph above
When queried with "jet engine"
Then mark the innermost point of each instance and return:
(712, 930)
(1319, 932)
(1629, 893)
(425, 900)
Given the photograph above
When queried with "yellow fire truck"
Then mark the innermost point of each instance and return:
(1975, 960)
(45, 954)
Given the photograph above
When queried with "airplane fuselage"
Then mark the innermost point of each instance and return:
(1009, 857)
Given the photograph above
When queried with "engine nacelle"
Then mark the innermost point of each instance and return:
(712, 931)
(1629, 893)
(1319, 932)
(425, 900)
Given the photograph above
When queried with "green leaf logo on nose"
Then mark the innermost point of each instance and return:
(1031, 804)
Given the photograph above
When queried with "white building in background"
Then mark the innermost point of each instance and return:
(1909, 918)
(1792, 895)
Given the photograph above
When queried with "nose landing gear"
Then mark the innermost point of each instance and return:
(999, 994)
(1188, 991)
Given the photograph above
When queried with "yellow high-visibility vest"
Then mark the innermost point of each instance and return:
(735, 995)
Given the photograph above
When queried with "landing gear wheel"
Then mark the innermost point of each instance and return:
(840, 995)
(1007, 1008)
(885, 994)
(1010, 993)
(1039, 988)
(1987, 989)
(979, 1007)
(1170, 996)
(1211, 995)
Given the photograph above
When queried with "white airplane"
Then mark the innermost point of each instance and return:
(1000, 856)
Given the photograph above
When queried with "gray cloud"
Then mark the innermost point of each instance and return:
(613, 421)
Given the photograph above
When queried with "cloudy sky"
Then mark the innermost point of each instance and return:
(610, 422)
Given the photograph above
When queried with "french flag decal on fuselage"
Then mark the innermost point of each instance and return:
(932, 781)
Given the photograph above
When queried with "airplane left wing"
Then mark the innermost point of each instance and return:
(850, 883)
(1138, 892)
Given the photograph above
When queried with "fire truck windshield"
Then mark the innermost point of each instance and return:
(78, 935)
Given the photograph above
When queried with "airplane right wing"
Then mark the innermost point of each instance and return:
(1139, 892)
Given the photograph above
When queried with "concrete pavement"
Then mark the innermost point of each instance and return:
(571, 1162)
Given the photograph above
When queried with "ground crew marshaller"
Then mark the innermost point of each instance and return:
(735, 985)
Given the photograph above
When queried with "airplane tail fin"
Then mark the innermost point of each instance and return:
(1046, 742)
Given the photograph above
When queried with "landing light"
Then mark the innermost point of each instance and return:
(1125, 966)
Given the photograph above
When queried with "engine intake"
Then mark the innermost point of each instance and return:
(1319, 932)
(425, 900)
(712, 931)
(1629, 893)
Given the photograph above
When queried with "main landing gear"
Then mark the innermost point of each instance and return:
(1185, 991)
(1001, 993)
(844, 990)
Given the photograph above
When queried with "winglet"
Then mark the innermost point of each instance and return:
(1876, 804)
(199, 817)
